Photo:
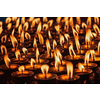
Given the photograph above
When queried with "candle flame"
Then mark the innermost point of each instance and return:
(98, 47)
(96, 20)
(31, 19)
(58, 20)
(1, 23)
(92, 53)
(37, 54)
(4, 39)
(9, 26)
(6, 60)
(57, 28)
(17, 54)
(66, 27)
(45, 27)
(39, 28)
(32, 62)
(14, 18)
(84, 25)
(41, 40)
(49, 34)
(69, 66)
(54, 44)
(77, 43)
(27, 36)
(1, 29)
(89, 21)
(3, 49)
(71, 22)
(87, 54)
(34, 43)
(22, 37)
(50, 22)
(33, 24)
(45, 19)
(21, 68)
(17, 22)
(81, 67)
(24, 50)
(96, 29)
(61, 40)
(74, 32)
(57, 61)
(77, 27)
(22, 20)
(8, 20)
(20, 28)
(45, 69)
(25, 26)
(78, 19)
(48, 46)
(67, 36)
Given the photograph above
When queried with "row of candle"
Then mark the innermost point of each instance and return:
(56, 40)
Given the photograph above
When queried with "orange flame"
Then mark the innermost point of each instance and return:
(14, 41)
(21, 68)
(8, 20)
(1, 23)
(87, 54)
(17, 54)
(99, 47)
(49, 34)
(20, 28)
(27, 36)
(78, 19)
(69, 66)
(57, 27)
(37, 54)
(1, 29)
(77, 43)
(92, 53)
(45, 26)
(65, 19)
(31, 19)
(77, 27)
(54, 44)
(41, 40)
(45, 19)
(25, 26)
(14, 18)
(37, 20)
(39, 28)
(13, 31)
(71, 50)
(48, 46)
(22, 20)
(4, 39)
(50, 22)
(3, 49)
(67, 36)
(96, 29)
(22, 37)
(89, 21)
(84, 25)
(81, 67)
(24, 50)
(96, 20)
(57, 52)
(74, 32)
(71, 22)
(45, 69)
(9, 26)
(33, 24)
(34, 43)
(32, 61)
(58, 20)
(17, 22)
(57, 61)
(6, 60)
(66, 27)
(61, 40)
(88, 36)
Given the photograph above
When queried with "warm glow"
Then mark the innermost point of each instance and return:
(37, 20)
(13, 31)
(17, 54)
(87, 54)
(62, 40)
(45, 19)
(1, 23)
(89, 21)
(39, 28)
(71, 22)
(77, 43)
(92, 53)
(88, 36)
(14, 41)
(37, 55)
(9, 26)
(33, 24)
(84, 25)
(96, 29)
(71, 50)
(21, 68)
(50, 22)
(57, 52)
(3, 49)
(77, 27)
(7, 60)
(27, 36)
(8, 20)
(74, 32)
(78, 19)
(41, 40)
(45, 69)
(22, 37)
(4, 39)
(64, 19)
(57, 27)
(49, 34)
(31, 19)
(14, 18)
(17, 22)
(34, 43)
(54, 44)
(32, 62)
(1, 29)
(45, 27)
(67, 36)
(22, 20)
(58, 20)
(69, 66)
(25, 26)
(48, 46)
(57, 61)
(66, 27)
(20, 28)
(98, 47)
(96, 20)
(24, 50)
(81, 67)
